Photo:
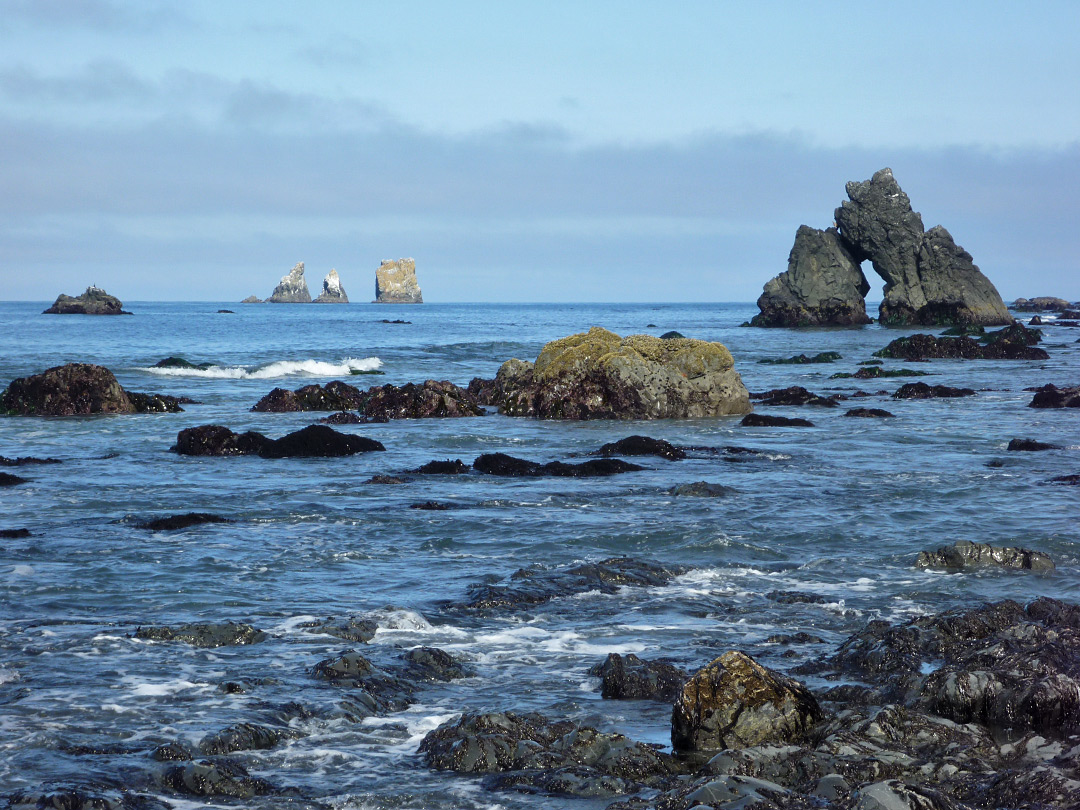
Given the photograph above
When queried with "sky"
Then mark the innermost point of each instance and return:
(557, 151)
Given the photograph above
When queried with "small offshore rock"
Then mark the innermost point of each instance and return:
(1066, 479)
(204, 634)
(172, 752)
(880, 413)
(95, 301)
(434, 398)
(14, 534)
(395, 283)
(631, 678)
(734, 702)
(351, 629)
(1030, 445)
(701, 489)
(9, 480)
(876, 372)
(802, 359)
(767, 420)
(447, 467)
(332, 291)
(1015, 342)
(341, 418)
(672, 335)
(795, 395)
(966, 554)
(175, 522)
(1041, 303)
(796, 598)
(431, 506)
(252, 299)
(26, 461)
(242, 737)
(642, 446)
(504, 465)
(314, 441)
(389, 479)
(180, 362)
(1050, 396)
(923, 391)
(334, 396)
(292, 289)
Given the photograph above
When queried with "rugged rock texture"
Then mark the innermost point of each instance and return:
(802, 359)
(1031, 446)
(395, 283)
(823, 285)
(734, 702)
(599, 375)
(433, 398)
(1014, 342)
(877, 372)
(78, 389)
(204, 634)
(869, 412)
(252, 299)
(631, 678)
(642, 446)
(95, 301)
(966, 554)
(314, 441)
(767, 420)
(795, 395)
(292, 289)
(176, 522)
(223, 777)
(1041, 303)
(929, 279)
(374, 689)
(921, 390)
(332, 291)
(701, 489)
(334, 396)
(1049, 396)
(511, 467)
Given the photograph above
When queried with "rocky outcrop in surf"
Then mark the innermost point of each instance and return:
(1015, 342)
(929, 279)
(332, 291)
(599, 375)
(314, 441)
(95, 301)
(395, 283)
(79, 389)
(292, 289)
(965, 555)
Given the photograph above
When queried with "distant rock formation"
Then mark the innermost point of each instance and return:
(929, 279)
(332, 291)
(1041, 303)
(395, 283)
(252, 299)
(95, 301)
(292, 289)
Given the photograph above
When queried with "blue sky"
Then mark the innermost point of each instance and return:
(521, 152)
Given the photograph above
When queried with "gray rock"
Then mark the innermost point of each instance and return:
(221, 777)
(332, 291)
(823, 285)
(966, 554)
(95, 301)
(204, 634)
(252, 299)
(701, 489)
(631, 678)
(395, 283)
(292, 289)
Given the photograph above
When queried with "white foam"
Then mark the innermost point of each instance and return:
(148, 689)
(22, 571)
(282, 368)
(8, 675)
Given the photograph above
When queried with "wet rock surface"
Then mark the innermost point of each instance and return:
(13, 534)
(768, 420)
(9, 480)
(509, 466)
(529, 587)
(873, 413)
(447, 467)
(1050, 396)
(341, 418)
(966, 554)
(701, 489)
(433, 398)
(924, 391)
(174, 523)
(1015, 342)
(26, 461)
(95, 301)
(223, 777)
(794, 395)
(292, 289)
(314, 441)
(355, 629)
(642, 446)
(204, 634)
(802, 359)
(372, 689)
(599, 375)
(334, 396)
(627, 677)
(78, 389)
(1030, 446)
(876, 372)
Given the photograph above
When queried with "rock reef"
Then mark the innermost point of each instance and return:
(332, 291)
(395, 283)
(95, 301)
(929, 279)
(292, 289)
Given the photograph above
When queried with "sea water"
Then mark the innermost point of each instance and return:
(838, 511)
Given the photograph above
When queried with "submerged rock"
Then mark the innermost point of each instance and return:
(823, 285)
(176, 522)
(869, 412)
(1030, 445)
(875, 372)
(642, 446)
(599, 375)
(204, 634)
(631, 678)
(78, 389)
(701, 489)
(9, 480)
(341, 418)
(318, 441)
(504, 465)
(767, 420)
(395, 283)
(965, 554)
(1050, 396)
(332, 291)
(802, 359)
(13, 534)
(373, 690)
(433, 664)
(795, 395)
(432, 399)
(1015, 342)
(243, 737)
(95, 301)
(734, 702)
(218, 777)
(352, 629)
(923, 391)
(529, 587)
(447, 467)
(292, 289)
(25, 461)
(180, 362)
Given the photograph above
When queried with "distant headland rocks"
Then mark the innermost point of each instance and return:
(395, 283)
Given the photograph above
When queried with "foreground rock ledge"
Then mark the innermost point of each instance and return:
(929, 279)
(600, 375)
(79, 389)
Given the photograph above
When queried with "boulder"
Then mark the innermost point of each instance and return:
(341, 418)
(395, 283)
(599, 375)
(78, 389)
(823, 285)
(218, 777)
(642, 446)
(243, 737)
(433, 398)
(631, 678)
(868, 412)
(204, 634)
(353, 629)
(795, 395)
(1014, 342)
(95, 301)
(252, 299)
(292, 289)
(966, 554)
(334, 396)
(1049, 396)
(734, 702)
(447, 467)
(433, 664)
(802, 359)
(313, 441)
(332, 291)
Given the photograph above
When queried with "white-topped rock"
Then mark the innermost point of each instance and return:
(292, 289)
(332, 291)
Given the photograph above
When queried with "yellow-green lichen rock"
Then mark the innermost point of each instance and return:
(599, 375)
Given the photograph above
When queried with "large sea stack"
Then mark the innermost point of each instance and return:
(332, 291)
(395, 283)
(292, 289)
(929, 279)
(95, 301)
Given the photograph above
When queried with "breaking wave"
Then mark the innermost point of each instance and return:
(281, 368)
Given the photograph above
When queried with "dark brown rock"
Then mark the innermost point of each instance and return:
(176, 522)
(1050, 396)
(504, 465)
(1030, 445)
(334, 396)
(411, 401)
(78, 389)
(869, 412)
(921, 390)
(631, 678)
(642, 446)
(767, 420)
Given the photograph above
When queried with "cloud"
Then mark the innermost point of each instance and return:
(99, 81)
(95, 15)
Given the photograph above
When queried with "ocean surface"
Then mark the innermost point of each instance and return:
(839, 511)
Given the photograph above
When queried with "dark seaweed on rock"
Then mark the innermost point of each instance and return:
(222, 777)
(9, 480)
(701, 489)
(334, 396)
(432, 399)
(802, 359)
(509, 466)
(529, 587)
(14, 534)
(875, 372)
(869, 412)
(313, 441)
(79, 389)
(1031, 446)
(25, 461)
(447, 467)
(373, 689)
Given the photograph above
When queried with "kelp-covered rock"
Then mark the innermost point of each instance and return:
(734, 702)
(95, 301)
(292, 289)
(1015, 342)
(642, 446)
(508, 466)
(434, 398)
(599, 375)
(1050, 396)
(204, 634)
(823, 285)
(966, 554)
(537, 753)
(631, 678)
(529, 587)
(78, 389)
(921, 390)
(314, 441)
(334, 396)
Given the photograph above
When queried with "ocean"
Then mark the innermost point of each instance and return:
(837, 511)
